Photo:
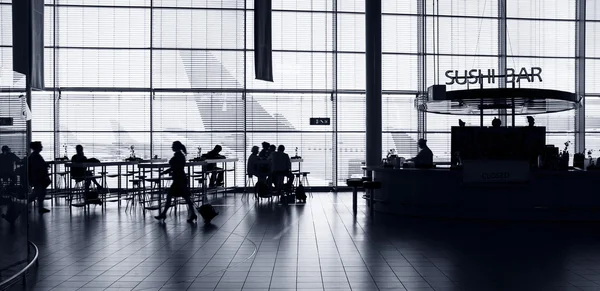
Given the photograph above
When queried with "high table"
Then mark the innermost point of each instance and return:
(103, 166)
(190, 169)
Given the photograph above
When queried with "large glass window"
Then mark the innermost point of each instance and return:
(146, 73)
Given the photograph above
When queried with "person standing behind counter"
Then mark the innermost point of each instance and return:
(424, 158)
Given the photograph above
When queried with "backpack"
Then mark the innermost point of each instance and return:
(207, 212)
(300, 193)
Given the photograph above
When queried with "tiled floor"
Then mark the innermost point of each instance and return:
(317, 246)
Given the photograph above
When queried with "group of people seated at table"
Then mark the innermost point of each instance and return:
(271, 166)
(32, 171)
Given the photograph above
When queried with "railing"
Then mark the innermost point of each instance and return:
(12, 280)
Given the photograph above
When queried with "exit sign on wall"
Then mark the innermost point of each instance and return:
(320, 121)
(6, 121)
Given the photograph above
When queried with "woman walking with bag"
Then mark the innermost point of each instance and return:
(179, 187)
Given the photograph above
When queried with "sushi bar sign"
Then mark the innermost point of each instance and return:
(489, 76)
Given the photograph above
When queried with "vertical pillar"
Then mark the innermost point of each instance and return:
(334, 97)
(502, 54)
(373, 82)
(152, 95)
(422, 68)
(580, 76)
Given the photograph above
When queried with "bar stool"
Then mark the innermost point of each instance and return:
(355, 183)
(302, 179)
(370, 186)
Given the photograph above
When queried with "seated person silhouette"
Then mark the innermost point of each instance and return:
(8, 161)
(216, 178)
(281, 167)
(530, 121)
(254, 165)
(264, 153)
(81, 174)
(496, 122)
(424, 158)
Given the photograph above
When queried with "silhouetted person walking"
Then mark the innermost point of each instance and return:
(179, 187)
(39, 177)
(8, 160)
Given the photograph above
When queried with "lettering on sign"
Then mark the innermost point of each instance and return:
(320, 121)
(489, 76)
(495, 176)
(495, 171)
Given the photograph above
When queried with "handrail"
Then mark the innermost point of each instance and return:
(6, 283)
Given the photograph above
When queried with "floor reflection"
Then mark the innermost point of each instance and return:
(317, 246)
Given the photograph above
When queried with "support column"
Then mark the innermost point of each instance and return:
(502, 55)
(422, 69)
(373, 68)
(580, 76)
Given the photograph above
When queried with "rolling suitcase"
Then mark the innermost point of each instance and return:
(207, 212)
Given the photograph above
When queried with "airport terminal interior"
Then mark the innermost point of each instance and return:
(299, 145)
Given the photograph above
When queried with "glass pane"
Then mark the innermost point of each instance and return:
(199, 69)
(102, 68)
(206, 29)
(399, 34)
(351, 72)
(543, 9)
(351, 33)
(295, 71)
(287, 112)
(399, 72)
(314, 148)
(541, 38)
(592, 70)
(351, 155)
(488, 8)
(103, 27)
(399, 113)
(466, 36)
(104, 112)
(198, 112)
(351, 112)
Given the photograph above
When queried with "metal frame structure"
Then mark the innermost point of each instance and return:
(422, 16)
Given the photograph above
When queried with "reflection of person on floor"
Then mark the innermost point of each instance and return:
(281, 167)
(216, 178)
(179, 187)
(81, 174)
(8, 160)
(424, 158)
(39, 178)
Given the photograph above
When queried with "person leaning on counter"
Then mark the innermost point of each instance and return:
(424, 158)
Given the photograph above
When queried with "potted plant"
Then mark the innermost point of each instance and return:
(564, 157)
(132, 157)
